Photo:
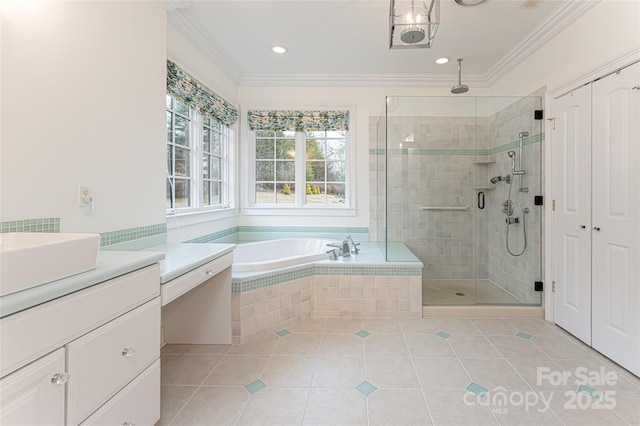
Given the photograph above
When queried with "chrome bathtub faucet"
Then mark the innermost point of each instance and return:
(337, 251)
(333, 254)
(355, 245)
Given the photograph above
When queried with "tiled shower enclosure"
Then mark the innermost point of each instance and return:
(431, 164)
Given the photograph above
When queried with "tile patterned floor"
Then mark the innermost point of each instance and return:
(399, 372)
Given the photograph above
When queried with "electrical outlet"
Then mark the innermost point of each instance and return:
(85, 194)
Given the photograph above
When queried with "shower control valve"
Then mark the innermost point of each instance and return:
(512, 220)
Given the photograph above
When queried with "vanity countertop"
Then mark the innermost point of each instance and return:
(181, 258)
(111, 264)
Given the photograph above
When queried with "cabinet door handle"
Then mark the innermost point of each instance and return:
(128, 352)
(583, 227)
(128, 424)
(209, 272)
(595, 228)
(60, 378)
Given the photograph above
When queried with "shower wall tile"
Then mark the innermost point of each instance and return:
(429, 163)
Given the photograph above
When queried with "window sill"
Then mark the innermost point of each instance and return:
(194, 217)
(298, 211)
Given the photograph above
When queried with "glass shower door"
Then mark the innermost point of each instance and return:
(431, 143)
(508, 226)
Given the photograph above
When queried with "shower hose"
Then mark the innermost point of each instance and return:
(524, 228)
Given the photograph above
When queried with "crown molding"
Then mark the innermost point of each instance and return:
(351, 80)
(563, 16)
(181, 21)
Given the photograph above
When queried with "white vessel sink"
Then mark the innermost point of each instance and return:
(29, 259)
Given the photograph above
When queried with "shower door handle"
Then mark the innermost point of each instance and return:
(481, 200)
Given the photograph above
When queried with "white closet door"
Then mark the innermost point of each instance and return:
(616, 217)
(571, 174)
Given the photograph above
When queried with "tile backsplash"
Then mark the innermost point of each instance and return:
(47, 224)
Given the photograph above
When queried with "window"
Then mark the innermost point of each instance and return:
(275, 167)
(326, 167)
(294, 164)
(197, 160)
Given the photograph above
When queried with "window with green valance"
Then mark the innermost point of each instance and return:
(299, 121)
(196, 95)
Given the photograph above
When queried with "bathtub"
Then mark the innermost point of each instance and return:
(275, 254)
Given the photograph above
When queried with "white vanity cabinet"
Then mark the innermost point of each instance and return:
(102, 342)
(34, 395)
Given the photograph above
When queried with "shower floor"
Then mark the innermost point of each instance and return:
(443, 292)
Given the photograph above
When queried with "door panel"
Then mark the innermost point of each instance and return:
(571, 174)
(616, 213)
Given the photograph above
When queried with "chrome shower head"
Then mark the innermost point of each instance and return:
(511, 154)
(496, 179)
(459, 88)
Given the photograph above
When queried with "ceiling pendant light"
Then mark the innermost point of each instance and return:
(413, 23)
(469, 2)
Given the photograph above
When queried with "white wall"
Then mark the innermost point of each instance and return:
(607, 31)
(83, 86)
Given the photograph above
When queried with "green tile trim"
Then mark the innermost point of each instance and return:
(589, 391)
(369, 270)
(366, 388)
(477, 389)
(124, 235)
(209, 238)
(363, 333)
(214, 236)
(523, 335)
(471, 152)
(319, 229)
(238, 286)
(45, 224)
(443, 334)
(254, 387)
(511, 145)
(241, 287)
(283, 332)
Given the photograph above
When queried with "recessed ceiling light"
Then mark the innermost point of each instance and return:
(279, 49)
(442, 60)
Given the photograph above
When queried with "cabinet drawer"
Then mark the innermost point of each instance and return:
(53, 324)
(31, 396)
(137, 404)
(105, 360)
(178, 286)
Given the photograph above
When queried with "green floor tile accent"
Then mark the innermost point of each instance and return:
(363, 334)
(477, 389)
(589, 391)
(283, 332)
(523, 335)
(443, 334)
(366, 388)
(256, 386)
